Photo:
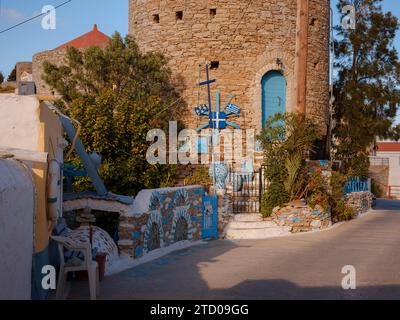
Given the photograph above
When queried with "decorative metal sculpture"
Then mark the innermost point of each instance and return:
(217, 120)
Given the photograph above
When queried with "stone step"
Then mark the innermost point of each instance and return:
(259, 233)
(248, 217)
(252, 224)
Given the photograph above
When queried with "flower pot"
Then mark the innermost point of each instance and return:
(219, 171)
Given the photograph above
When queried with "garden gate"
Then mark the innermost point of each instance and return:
(210, 217)
(248, 190)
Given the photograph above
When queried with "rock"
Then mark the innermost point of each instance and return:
(275, 210)
(316, 224)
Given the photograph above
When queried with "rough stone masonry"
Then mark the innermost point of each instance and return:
(244, 42)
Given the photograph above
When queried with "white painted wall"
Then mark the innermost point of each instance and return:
(19, 122)
(17, 210)
(394, 166)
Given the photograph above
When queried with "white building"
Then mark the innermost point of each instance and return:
(388, 154)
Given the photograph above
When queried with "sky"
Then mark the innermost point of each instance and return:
(72, 20)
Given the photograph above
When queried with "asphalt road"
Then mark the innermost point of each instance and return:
(306, 266)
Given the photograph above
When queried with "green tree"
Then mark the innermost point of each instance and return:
(1, 77)
(366, 88)
(13, 75)
(118, 94)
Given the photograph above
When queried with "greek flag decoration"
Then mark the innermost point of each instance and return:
(218, 119)
(202, 110)
(232, 109)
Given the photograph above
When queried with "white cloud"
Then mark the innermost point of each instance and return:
(12, 15)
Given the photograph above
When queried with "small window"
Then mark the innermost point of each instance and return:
(156, 18)
(213, 12)
(179, 15)
(214, 65)
(313, 22)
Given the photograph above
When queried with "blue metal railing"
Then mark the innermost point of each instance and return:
(356, 184)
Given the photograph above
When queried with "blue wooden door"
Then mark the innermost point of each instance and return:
(210, 217)
(273, 95)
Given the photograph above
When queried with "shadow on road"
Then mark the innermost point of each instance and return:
(387, 204)
(177, 278)
(302, 267)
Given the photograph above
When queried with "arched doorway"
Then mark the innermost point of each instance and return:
(273, 87)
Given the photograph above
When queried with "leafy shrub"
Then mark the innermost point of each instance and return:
(376, 189)
(317, 191)
(343, 212)
(340, 211)
(287, 140)
(200, 176)
(338, 181)
(276, 196)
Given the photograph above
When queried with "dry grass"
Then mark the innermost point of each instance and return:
(7, 89)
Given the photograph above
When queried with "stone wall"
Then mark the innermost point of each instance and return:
(247, 44)
(225, 214)
(171, 215)
(302, 218)
(53, 56)
(360, 201)
(23, 67)
(380, 174)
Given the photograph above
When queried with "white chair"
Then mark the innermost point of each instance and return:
(87, 264)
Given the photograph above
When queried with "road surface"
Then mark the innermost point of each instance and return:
(306, 266)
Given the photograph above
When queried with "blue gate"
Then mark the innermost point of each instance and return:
(210, 217)
(273, 95)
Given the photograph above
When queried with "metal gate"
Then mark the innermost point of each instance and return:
(248, 190)
(210, 217)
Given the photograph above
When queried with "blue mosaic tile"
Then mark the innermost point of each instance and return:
(316, 212)
(323, 163)
(296, 219)
(138, 251)
(194, 219)
(199, 191)
(136, 234)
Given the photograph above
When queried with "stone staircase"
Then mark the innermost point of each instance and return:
(252, 226)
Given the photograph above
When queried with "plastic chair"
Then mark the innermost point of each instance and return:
(87, 264)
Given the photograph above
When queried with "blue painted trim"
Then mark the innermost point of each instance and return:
(273, 95)
(234, 125)
(39, 260)
(212, 230)
(87, 162)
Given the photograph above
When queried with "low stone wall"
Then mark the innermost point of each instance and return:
(161, 218)
(225, 214)
(302, 218)
(360, 201)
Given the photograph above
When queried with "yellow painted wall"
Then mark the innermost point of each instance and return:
(50, 141)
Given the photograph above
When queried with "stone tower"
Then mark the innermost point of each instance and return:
(273, 55)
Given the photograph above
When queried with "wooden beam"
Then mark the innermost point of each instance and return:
(23, 155)
(300, 86)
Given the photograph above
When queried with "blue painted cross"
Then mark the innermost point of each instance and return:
(218, 119)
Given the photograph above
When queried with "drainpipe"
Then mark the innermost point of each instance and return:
(301, 56)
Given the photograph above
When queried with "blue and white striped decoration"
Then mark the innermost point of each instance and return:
(232, 109)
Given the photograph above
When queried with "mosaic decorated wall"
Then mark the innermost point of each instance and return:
(172, 215)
